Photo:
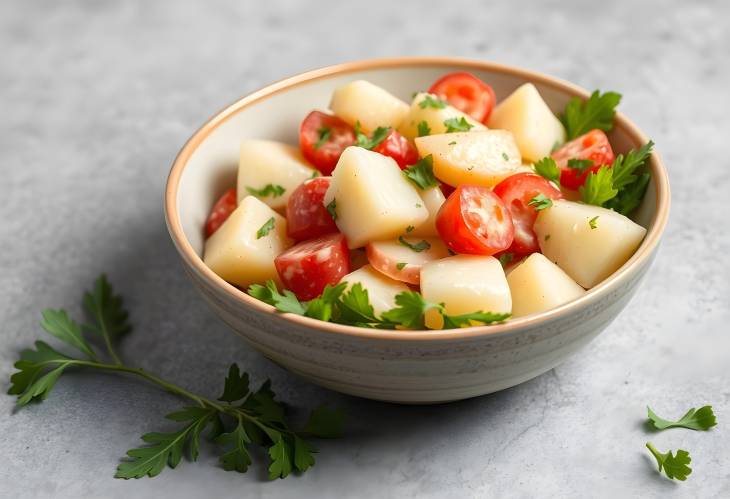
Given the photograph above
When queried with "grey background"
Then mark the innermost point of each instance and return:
(97, 97)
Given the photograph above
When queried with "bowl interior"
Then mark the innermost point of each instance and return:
(212, 166)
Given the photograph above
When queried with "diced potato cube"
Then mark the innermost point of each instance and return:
(588, 242)
(381, 288)
(537, 284)
(373, 199)
(369, 104)
(264, 162)
(433, 116)
(483, 158)
(534, 125)
(465, 284)
(237, 253)
(432, 198)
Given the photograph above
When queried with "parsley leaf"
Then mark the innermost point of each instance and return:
(410, 228)
(598, 111)
(421, 174)
(540, 202)
(674, 466)
(457, 321)
(432, 102)
(332, 208)
(324, 135)
(423, 129)
(265, 229)
(281, 459)
(237, 457)
(629, 198)
(580, 164)
(457, 125)
(505, 157)
(323, 306)
(506, 258)
(410, 310)
(38, 371)
(362, 140)
(272, 190)
(60, 325)
(107, 313)
(695, 419)
(593, 222)
(355, 307)
(400, 265)
(286, 302)
(548, 169)
(624, 168)
(236, 385)
(417, 247)
(598, 187)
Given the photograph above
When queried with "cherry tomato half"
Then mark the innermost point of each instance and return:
(467, 93)
(475, 220)
(517, 191)
(222, 209)
(322, 138)
(399, 148)
(309, 266)
(593, 146)
(306, 216)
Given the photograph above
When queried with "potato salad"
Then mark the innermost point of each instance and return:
(451, 210)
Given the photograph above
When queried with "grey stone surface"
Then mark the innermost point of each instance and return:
(97, 97)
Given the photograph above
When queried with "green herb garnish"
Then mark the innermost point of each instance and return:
(272, 190)
(265, 229)
(457, 125)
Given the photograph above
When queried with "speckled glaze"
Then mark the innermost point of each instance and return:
(397, 366)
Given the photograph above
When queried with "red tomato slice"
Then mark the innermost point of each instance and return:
(309, 266)
(399, 148)
(517, 191)
(322, 138)
(594, 146)
(222, 209)
(306, 216)
(467, 93)
(475, 220)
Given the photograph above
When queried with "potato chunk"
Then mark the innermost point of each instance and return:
(372, 199)
(369, 104)
(465, 284)
(537, 284)
(237, 254)
(433, 116)
(483, 158)
(588, 242)
(264, 162)
(432, 198)
(534, 125)
(381, 288)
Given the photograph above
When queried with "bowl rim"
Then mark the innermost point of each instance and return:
(191, 258)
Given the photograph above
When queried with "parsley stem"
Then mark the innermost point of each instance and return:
(234, 412)
(657, 454)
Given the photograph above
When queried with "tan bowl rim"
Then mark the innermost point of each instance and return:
(644, 252)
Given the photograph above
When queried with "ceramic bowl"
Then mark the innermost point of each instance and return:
(397, 366)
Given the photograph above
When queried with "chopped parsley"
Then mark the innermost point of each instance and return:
(272, 190)
(265, 229)
(332, 209)
(452, 143)
(593, 222)
(423, 129)
(580, 164)
(410, 228)
(362, 140)
(547, 168)
(400, 265)
(505, 157)
(547, 237)
(432, 102)
(421, 174)
(506, 258)
(457, 125)
(324, 135)
(540, 202)
(418, 247)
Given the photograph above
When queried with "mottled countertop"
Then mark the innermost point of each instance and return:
(97, 97)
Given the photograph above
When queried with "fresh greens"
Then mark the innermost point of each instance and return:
(421, 174)
(547, 168)
(353, 308)
(266, 228)
(432, 102)
(423, 129)
(598, 111)
(540, 202)
(421, 245)
(239, 419)
(674, 466)
(324, 135)
(272, 190)
(457, 125)
(695, 419)
(362, 140)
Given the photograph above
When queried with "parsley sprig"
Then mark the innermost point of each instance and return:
(421, 174)
(674, 466)
(694, 419)
(272, 190)
(432, 102)
(362, 140)
(457, 125)
(239, 419)
(619, 186)
(352, 307)
(598, 111)
(548, 168)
